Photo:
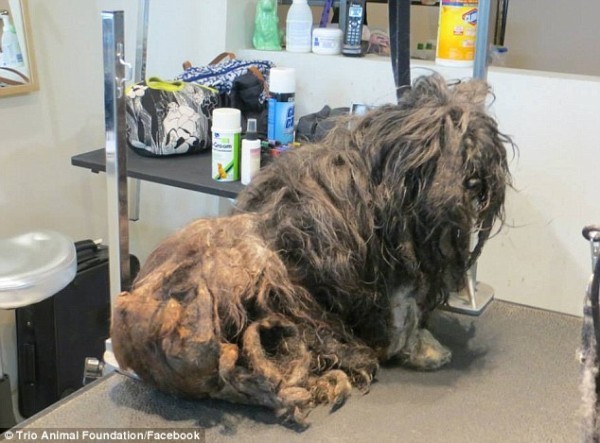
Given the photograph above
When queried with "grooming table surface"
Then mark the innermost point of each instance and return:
(514, 378)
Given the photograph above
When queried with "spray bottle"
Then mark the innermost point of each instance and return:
(11, 50)
(250, 153)
(282, 96)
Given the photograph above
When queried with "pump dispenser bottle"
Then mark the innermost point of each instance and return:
(250, 153)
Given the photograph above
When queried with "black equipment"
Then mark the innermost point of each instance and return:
(56, 335)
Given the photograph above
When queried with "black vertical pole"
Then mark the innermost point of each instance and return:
(399, 16)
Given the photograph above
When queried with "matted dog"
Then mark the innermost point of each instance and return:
(334, 257)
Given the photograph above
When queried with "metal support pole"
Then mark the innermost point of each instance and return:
(116, 159)
(501, 18)
(141, 52)
(480, 64)
(399, 22)
(343, 7)
(476, 296)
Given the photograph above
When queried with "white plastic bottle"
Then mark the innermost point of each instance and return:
(226, 137)
(11, 50)
(298, 27)
(250, 153)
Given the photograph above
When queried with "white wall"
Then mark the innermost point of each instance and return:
(554, 35)
(541, 258)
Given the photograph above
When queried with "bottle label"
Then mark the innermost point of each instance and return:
(457, 30)
(298, 33)
(226, 156)
(250, 162)
(281, 120)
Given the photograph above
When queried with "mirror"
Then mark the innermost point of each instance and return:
(17, 65)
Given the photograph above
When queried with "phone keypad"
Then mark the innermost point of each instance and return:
(354, 32)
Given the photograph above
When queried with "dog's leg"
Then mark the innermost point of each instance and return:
(414, 346)
(241, 385)
(424, 352)
(332, 387)
(279, 371)
(358, 361)
(272, 370)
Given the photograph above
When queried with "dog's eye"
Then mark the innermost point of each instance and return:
(474, 185)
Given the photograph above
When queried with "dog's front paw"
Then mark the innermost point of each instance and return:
(425, 353)
(332, 387)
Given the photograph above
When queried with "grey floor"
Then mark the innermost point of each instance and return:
(514, 378)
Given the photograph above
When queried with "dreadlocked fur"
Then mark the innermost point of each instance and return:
(588, 352)
(330, 264)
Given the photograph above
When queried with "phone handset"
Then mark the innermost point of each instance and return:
(354, 15)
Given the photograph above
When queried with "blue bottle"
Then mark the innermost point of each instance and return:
(281, 105)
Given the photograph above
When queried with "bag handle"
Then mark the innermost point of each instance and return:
(222, 56)
(231, 56)
(12, 82)
(215, 61)
(259, 75)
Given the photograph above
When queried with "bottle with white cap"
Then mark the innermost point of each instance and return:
(226, 138)
(250, 152)
(298, 27)
(280, 114)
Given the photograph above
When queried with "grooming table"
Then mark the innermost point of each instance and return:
(514, 378)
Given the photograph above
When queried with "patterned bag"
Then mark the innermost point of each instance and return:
(222, 72)
(241, 84)
(168, 118)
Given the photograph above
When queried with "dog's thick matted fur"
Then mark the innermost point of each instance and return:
(335, 255)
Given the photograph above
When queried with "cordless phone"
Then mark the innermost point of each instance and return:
(355, 14)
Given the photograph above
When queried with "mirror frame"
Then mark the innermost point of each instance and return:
(33, 84)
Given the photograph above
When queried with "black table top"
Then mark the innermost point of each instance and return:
(191, 172)
(512, 378)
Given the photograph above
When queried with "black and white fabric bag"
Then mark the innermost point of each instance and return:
(169, 118)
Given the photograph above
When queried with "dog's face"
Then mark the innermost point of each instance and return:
(459, 195)
(441, 163)
(486, 177)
